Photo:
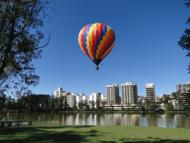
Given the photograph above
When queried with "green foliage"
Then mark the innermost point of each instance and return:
(34, 103)
(168, 106)
(187, 3)
(83, 106)
(2, 101)
(59, 103)
(20, 42)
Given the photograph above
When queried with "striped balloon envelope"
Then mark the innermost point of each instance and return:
(96, 41)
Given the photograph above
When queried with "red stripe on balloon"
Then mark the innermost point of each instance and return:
(82, 40)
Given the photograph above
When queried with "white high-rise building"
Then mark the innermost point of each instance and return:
(94, 99)
(71, 100)
(150, 92)
(81, 99)
(129, 93)
(103, 98)
(59, 92)
(113, 94)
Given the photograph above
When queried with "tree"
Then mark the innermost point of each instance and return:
(20, 42)
(2, 100)
(92, 104)
(168, 106)
(83, 106)
(185, 39)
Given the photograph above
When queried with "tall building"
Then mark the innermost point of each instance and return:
(113, 94)
(71, 100)
(59, 92)
(183, 87)
(94, 100)
(81, 99)
(129, 93)
(150, 92)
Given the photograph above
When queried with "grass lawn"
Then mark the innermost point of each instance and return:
(93, 134)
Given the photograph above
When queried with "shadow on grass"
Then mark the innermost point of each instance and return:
(153, 140)
(148, 141)
(159, 141)
(67, 135)
(39, 135)
(35, 136)
(13, 130)
(60, 137)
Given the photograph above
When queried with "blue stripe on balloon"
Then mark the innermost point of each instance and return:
(85, 36)
(99, 39)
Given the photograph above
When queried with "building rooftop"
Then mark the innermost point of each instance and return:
(112, 85)
(128, 83)
(149, 85)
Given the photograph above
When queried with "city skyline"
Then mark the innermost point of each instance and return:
(127, 88)
(127, 98)
(146, 48)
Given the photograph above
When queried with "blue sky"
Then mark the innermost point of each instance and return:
(146, 49)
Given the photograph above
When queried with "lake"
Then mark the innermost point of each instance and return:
(155, 120)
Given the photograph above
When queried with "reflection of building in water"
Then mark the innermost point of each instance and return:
(82, 119)
(182, 121)
(121, 119)
(165, 120)
(113, 94)
(113, 119)
(131, 119)
(71, 119)
(129, 93)
(61, 118)
(143, 122)
(92, 119)
(152, 120)
(161, 120)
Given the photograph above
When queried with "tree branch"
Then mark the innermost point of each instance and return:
(46, 44)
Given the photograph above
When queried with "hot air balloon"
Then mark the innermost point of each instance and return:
(96, 41)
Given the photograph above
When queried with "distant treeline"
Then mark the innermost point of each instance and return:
(38, 103)
(47, 103)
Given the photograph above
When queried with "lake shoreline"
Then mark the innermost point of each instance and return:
(105, 111)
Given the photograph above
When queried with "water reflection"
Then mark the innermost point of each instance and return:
(155, 120)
